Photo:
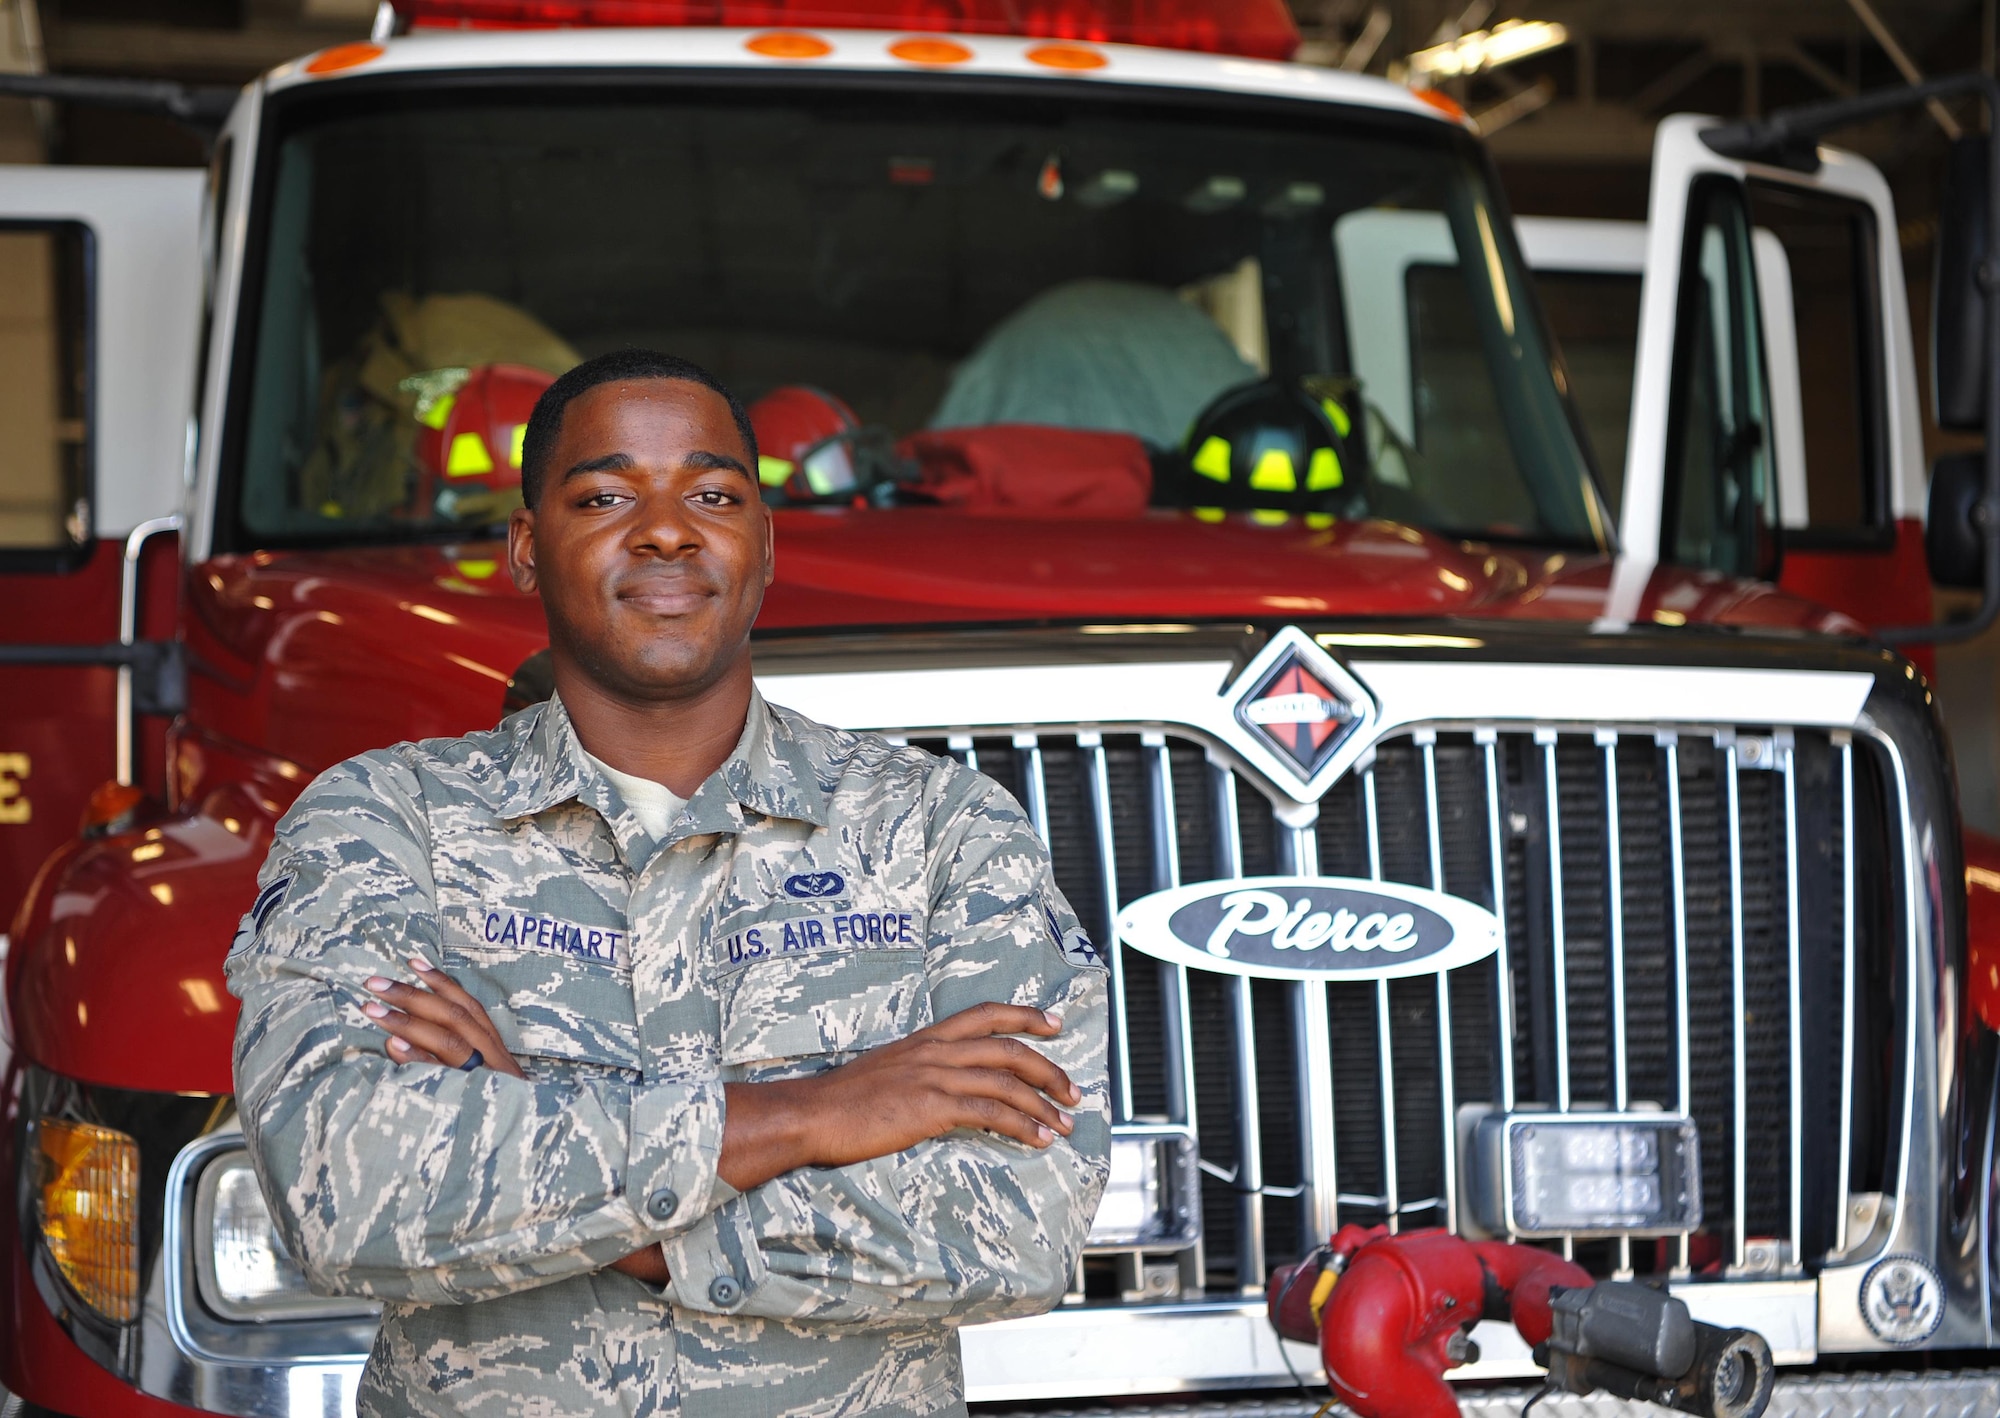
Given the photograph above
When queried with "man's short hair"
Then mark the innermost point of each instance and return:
(545, 423)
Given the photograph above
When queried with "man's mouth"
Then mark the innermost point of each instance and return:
(667, 598)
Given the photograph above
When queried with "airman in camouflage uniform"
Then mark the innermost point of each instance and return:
(822, 894)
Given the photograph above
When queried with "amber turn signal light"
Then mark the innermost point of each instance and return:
(89, 1213)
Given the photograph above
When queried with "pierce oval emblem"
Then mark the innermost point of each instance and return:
(1310, 928)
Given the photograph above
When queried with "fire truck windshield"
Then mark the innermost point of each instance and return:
(1308, 310)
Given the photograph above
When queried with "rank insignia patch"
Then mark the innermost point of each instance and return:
(1075, 946)
(268, 900)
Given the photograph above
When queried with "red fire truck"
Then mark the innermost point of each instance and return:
(1494, 835)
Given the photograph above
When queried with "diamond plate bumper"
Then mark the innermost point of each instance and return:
(1970, 1393)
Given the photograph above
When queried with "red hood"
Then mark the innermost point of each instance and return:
(116, 972)
(317, 655)
(934, 565)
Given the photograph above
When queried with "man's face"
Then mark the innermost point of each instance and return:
(650, 546)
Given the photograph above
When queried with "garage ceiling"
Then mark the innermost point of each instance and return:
(1594, 101)
(1627, 64)
(1770, 21)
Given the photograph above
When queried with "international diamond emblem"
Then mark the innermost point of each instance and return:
(1300, 704)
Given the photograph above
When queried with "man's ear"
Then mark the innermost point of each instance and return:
(770, 545)
(521, 549)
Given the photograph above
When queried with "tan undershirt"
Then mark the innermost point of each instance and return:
(654, 804)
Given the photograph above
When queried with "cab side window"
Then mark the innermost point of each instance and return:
(1820, 258)
(1721, 495)
(44, 394)
(1595, 316)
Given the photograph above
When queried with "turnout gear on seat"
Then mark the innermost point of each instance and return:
(365, 466)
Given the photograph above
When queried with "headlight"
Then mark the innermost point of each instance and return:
(88, 1208)
(1554, 1174)
(241, 1265)
(1152, 1200)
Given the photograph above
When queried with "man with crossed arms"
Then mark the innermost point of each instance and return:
(661, 1050)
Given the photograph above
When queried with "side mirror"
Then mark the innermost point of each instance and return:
(1958, 297)
(1954, 540)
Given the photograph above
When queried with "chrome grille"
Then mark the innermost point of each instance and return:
(1696, 920)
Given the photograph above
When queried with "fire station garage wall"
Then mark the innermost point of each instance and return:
(43, 348)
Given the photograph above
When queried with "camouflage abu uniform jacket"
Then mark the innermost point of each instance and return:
(822, 893)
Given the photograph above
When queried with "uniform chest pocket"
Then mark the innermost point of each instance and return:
(800, 1014)
(546, 1006)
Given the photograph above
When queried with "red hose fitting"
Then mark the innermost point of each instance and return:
(1395, 1319)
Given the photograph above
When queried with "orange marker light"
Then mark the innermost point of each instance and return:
(1443, 103)
(1066, 56)
(788, 44)
(109, 802)
(930, 51)
(343, 56)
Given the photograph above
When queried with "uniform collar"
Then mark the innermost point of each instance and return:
(769, 773)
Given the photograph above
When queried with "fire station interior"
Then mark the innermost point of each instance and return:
(975, 264)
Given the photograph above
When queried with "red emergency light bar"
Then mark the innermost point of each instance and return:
(1257, 29)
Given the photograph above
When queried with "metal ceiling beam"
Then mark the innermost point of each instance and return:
(1767, 22)
(1904, 64)
(1662, 90)
(172, 49)
(1833, 83)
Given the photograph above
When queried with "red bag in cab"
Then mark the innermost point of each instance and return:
(1029, 470)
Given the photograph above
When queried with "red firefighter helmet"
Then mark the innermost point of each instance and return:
(805, 443)
(471, 427)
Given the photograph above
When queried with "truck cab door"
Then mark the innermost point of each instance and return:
(1775, 429)
(97, 349)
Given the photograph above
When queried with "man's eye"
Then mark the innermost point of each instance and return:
(715, 497)
(599, 499)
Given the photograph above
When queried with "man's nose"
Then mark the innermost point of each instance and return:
(665, 525)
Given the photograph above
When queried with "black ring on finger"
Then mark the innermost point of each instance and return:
(476, 1060)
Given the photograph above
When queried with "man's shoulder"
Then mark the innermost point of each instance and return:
(847, 761)
(870, 775)
(420, 775)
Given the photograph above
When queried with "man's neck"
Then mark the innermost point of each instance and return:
(675, 742)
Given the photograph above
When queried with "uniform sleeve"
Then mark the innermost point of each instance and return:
(969, 1227)
(417, 1182)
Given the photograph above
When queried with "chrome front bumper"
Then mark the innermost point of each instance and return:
(1115, 1351)
(1104, 1351)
